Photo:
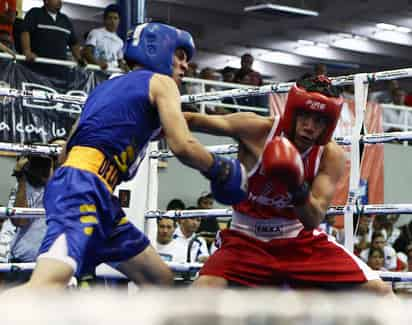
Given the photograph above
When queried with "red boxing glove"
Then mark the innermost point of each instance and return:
(281, 160)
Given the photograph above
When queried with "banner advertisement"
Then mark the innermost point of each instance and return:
(39, 121)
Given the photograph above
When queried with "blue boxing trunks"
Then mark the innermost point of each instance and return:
(85, 224)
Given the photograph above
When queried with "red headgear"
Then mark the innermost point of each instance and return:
(301, 99)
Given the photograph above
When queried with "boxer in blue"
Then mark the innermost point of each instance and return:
(85, 224)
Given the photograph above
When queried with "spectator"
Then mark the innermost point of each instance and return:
(185, 236)
(405, 287)
(320, 69)
(32, 173)
(228, 74)
(207, 225)
(103, 46)
(47, 33)
(165, 245)
(211, 74)
(363, 234)
(376, 259)
(253, 77)
(17, 30)
(378, 241)
(191, 87)
(7, 18)
(247, 76)
(385, 225)
(385, 96)
(404, 239)
(176, 204)
(4, 48)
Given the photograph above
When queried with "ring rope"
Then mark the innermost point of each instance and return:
(373, 138)
(104, 271)
(54, 150)
(367, 209)
(211, 96)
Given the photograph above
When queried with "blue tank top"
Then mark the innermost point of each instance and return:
(119, 120)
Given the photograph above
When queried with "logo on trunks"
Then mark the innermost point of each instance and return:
(268, 229)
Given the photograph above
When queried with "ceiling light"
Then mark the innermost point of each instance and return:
(306, 43)
(393, 28)
(320, 44)
(271, 8)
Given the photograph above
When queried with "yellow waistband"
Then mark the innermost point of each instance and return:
(94, 161)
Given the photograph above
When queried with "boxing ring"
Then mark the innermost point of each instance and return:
(149, 168)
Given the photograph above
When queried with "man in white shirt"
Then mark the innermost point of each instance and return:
(103, 46)
(186, 236)
(165, 245)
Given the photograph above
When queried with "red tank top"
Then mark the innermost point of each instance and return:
(268, 198)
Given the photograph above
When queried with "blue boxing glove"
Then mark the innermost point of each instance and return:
(228, 180)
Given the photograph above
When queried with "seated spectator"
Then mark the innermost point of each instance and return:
(405, 238)
(32, 173)
(176, 204)
(385, 225)
(396, 116)
(405, 287)
(385, 96)
(320, 69)
(47, 33)
(376, 259)
(165, 245)
(187, 88)
(378, 241)
(211, 74)
(103, 46)
(363, 235)
(208, 225)
(185, 235)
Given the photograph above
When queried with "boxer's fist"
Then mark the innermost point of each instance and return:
(228, 180)
(281, 160)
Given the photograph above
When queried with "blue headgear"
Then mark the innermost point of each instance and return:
(153, 46)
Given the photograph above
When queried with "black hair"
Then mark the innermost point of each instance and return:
(319, 84)
(176, 204)
(377, 234)
(111, 8)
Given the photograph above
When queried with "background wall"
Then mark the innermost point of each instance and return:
(398, 176)
(179, 181)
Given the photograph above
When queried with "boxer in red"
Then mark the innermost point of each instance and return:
(293, 169)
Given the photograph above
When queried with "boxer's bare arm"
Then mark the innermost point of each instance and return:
(323, 188)
(63, 153)
(165, 95)
(238, 125)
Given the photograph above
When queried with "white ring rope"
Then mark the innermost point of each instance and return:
(34, 149)
(368, 209)
(225, 149)
(212, 96)
(104, 271)
(373, 138)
